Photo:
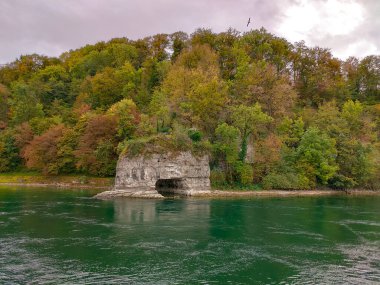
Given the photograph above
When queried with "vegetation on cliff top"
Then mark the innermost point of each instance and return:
(267, 111)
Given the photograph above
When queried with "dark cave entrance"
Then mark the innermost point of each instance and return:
(170, 187)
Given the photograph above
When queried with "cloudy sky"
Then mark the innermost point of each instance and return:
(347, 27)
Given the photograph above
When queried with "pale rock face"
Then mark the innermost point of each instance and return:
(250, 153)
(180, 173)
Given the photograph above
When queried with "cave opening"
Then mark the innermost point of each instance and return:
(170, 187)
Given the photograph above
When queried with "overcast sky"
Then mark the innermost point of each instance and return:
(50, 27)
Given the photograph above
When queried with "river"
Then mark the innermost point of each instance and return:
(52, 236)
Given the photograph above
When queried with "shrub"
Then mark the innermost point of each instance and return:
(217, 178)
(9, 153)
(286, 181)
(42, 152)
(195, 135)
(339, 181)
(244, 172)
(96, 151)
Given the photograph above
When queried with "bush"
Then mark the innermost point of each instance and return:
(217, 178)
(96, 150)
(42, 152)
(286, 181)
(244, 172)
(9, 153)
(177, 141)
(341, 182)
(195, 135)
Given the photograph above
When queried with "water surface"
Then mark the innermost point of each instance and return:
(66, 237)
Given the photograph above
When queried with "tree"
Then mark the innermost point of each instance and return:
(90, 60)
(179, 42)
(356, 163)
(109, 86)
(23, 136)
(291, 131)
(195, 90)
(329, 120)
(159, 44)
(150, 76)
(9, 152)
(229, 53)
(248, 119)
(24, 104)
(352, 112)
(51, 83)
(159, 109)
(353, 82)
(42, 152)
(94, 153)
(317, 75)
(203, 37)
(66, 146)
(316, 157)
(369, 72)
(226, 147)
(260, 83)
(24, 67)
(4, 106)
(40, 125)
(267, 155)
(261, 45)
(127, 116)
(227, 140)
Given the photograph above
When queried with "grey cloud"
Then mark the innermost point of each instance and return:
(367, 31)
(53, 26)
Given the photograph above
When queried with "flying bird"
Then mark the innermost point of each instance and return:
(249, 21)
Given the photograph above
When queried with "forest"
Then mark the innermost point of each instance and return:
(271, 114)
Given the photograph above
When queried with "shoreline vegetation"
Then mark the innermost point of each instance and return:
(267, 112)
(31, 179)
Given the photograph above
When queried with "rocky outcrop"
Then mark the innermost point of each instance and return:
(178, 173)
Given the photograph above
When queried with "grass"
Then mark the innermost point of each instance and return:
(164, 143)
(30, 177)
(236, 187)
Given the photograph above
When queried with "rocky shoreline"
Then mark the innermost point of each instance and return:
(57, 185)
(114, 194)
(110, 194)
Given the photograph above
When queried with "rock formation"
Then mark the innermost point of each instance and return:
(178, 173)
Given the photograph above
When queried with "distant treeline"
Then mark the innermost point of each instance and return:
(268, 112)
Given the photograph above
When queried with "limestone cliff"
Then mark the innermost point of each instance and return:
(180, 173)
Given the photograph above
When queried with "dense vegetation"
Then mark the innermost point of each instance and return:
(269, 112)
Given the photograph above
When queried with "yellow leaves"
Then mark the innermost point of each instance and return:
(195, 89)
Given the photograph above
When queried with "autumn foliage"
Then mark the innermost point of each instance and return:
(270, 113)
(96, 151)
(42, 152)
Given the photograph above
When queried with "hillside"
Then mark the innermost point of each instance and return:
(269, 112)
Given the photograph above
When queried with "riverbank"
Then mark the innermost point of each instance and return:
(116, 194)
(31, 179)
(284, 193)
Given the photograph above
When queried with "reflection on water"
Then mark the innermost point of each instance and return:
(135, 211)
(65, 237)
(150, 210)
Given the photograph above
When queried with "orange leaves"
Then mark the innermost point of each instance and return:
(41, 153)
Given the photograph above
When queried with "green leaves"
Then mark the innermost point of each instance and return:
(284, 115)
(195, 90)
(127, 116)
(317, 155)
(227, 142)
(248, 120)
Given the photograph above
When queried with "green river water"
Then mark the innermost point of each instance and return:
(52, 236)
